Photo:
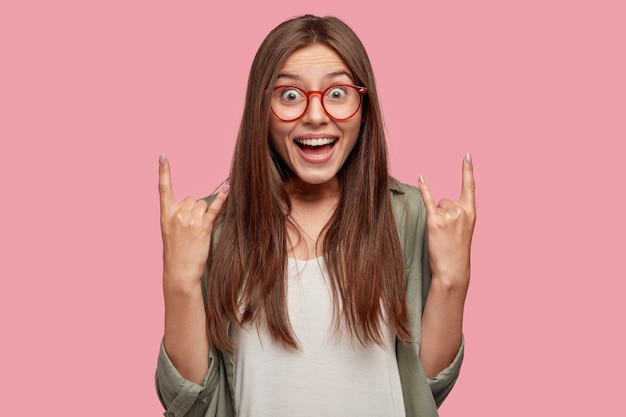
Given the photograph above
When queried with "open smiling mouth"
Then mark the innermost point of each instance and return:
(319, 146)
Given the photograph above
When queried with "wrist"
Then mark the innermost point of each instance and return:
(181, 288)
(450, 284)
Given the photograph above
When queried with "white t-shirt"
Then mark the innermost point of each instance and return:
(331, 375)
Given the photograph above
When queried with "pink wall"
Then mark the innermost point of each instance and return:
(91, 94)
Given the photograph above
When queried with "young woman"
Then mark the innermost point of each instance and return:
(312, 284)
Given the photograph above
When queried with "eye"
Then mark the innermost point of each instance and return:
(337, 93)
(290, 94)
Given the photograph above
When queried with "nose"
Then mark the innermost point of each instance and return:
(315, 113)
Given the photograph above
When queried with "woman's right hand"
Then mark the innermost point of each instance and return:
(186, 229)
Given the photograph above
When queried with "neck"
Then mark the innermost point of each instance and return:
(312, 207)
(301, 192)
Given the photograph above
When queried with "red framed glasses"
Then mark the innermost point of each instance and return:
(339, 101)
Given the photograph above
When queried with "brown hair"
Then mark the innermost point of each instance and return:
(247, 277)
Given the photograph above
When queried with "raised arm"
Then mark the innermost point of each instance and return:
(450, 225)
(186, 229)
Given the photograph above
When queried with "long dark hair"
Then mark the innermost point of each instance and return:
(247, 276)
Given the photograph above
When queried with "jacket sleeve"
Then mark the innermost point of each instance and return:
(442, 384)
(181, 397)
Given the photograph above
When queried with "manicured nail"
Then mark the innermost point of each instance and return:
(422, 180)
(226, 187)
(162, 159)
(468, 158)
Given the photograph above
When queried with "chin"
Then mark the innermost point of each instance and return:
(315, 178)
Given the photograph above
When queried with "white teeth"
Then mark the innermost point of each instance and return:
(316, 142)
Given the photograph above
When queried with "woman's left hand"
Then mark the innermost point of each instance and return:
(450, 228)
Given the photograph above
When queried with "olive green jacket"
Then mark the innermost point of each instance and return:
(422, 396)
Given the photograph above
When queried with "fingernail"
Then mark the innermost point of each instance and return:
(162, 159)
(422, 180)
(468, 158)
(226, 187)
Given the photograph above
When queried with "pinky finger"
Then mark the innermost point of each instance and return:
(216, 205)
(429, 201)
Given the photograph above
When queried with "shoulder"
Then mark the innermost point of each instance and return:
(406, 199)
(409, 213)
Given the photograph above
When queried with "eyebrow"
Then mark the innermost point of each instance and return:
(296, 77)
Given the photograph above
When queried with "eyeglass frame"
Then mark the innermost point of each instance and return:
(360, 90)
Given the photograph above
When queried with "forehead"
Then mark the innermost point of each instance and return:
(315, 60)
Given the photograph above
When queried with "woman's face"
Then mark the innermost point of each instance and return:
(315, 146)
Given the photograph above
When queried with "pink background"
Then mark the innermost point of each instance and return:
(92, 92)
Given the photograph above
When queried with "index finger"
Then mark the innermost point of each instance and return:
(468, 186)
(166, 194)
